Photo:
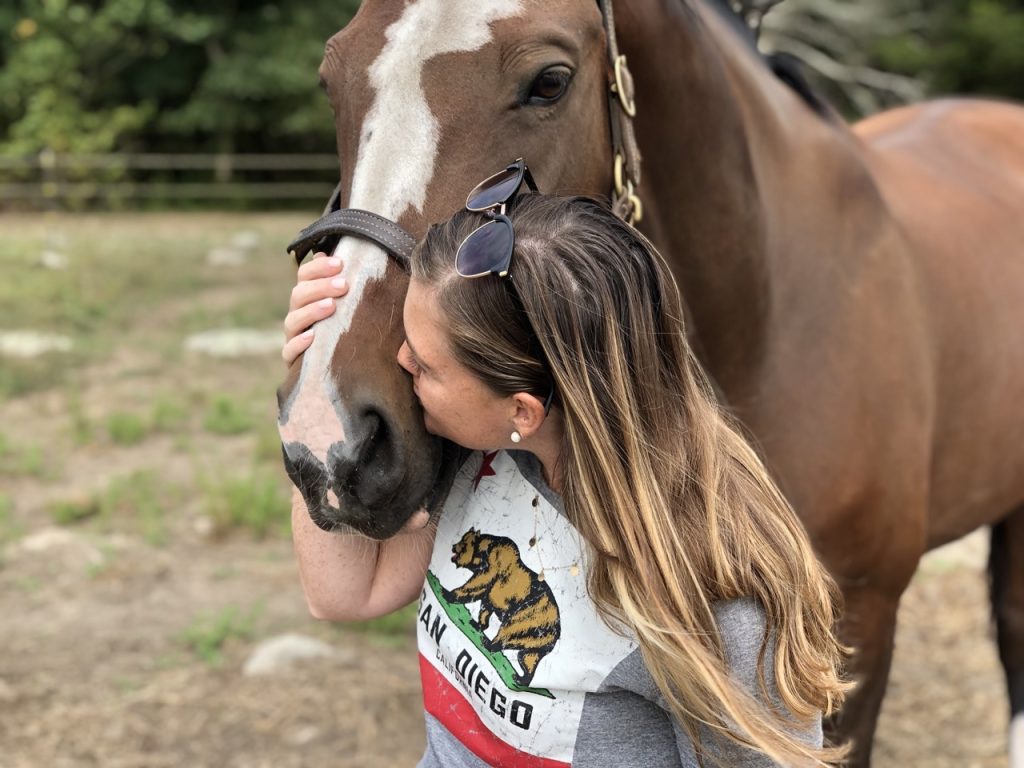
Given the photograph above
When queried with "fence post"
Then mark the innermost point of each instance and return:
(223, 168)
(50, 183)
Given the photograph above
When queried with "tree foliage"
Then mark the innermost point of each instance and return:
(240, 75)
(165, 75)
(969, 46)
(871, 54)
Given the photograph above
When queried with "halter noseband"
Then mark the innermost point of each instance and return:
(336, 222)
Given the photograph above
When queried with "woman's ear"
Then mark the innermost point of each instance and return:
(529, 413)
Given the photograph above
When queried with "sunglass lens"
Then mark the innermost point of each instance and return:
(487, 250)
(495, 190)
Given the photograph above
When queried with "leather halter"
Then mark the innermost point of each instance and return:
(336, 222)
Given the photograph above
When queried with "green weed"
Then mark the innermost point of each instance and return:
(10, 528)
(71, 511)
(126, 428)
(107, 556)
(257, 503)
(24, 460)
(81, 425)
(167, 415)
(226, 416)
(24, 376)
(137, 498)
(206, 636)
(268, 445)
(141, 497)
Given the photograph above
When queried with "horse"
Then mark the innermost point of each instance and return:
(855, 292)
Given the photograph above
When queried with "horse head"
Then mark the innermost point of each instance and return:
(429, 98)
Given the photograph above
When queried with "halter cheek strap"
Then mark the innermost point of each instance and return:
(621, 111)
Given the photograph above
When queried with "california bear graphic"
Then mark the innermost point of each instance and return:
(506, 588)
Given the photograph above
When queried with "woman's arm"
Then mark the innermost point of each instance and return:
(346, 577)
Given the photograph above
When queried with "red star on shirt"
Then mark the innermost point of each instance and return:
(486, 470)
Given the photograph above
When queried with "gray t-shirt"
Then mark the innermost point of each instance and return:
(518, 668)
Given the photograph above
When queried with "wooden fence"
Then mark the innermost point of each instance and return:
(54, 180)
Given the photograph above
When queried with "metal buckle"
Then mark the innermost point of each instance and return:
(625, 97)
(619, 162)
(624, 190)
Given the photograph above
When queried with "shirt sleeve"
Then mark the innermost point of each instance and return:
(741, 624)
(630, 701)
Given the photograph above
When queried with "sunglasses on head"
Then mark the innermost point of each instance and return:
(487, 250)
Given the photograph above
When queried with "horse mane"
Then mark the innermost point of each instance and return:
(785, 66)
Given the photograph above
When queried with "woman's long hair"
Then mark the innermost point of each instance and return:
(677, 509)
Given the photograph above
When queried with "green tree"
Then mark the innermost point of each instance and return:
(871, 54)
(164, 75)
(969, 47)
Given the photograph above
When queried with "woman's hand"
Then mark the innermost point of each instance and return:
(318, 285)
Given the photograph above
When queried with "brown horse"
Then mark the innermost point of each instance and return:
(856, 293)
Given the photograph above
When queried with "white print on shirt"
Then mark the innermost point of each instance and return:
(522, 648)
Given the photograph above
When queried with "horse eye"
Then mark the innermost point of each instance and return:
(550, 86)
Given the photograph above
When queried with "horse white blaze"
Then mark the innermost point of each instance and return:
(394, 166)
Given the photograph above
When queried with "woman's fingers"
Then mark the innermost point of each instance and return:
(312, 299)
(311, 291)
(319, 266)
(296, 346)
(298, 320)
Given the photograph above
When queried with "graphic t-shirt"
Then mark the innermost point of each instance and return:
(518, 668)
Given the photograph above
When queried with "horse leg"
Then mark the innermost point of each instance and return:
(1006, 568)
(869, 625)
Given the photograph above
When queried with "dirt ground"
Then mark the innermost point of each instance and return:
(129, 602)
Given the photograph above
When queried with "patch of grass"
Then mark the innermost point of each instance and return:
(126, 684)
(10, 528)
(257, 503)
(268, 445)
(167, 415)
(111, 276)
(207, 636)
(182, 444)
(27, 459)
(82, 431)
(28, 583)
(126, 428)
(32, 461)
(138, 499)
(24, 376)
(227, 416)
(142, 497)
(75, 510)
(107, 556)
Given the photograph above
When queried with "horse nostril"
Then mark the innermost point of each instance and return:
(377, 448)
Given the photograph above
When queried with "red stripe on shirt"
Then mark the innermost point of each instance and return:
(448, 704)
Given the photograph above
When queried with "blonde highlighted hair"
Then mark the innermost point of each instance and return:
(677, 509)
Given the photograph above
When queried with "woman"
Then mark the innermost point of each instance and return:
(616, 581)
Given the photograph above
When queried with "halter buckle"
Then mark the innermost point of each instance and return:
(623, 87)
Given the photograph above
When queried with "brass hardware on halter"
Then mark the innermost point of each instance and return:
(619, 186)
(636, 208)
(623, 86)
(621, 111)
(626, 199)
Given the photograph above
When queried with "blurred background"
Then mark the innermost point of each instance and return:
(155, 158)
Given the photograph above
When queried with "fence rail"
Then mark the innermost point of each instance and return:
(56, 179)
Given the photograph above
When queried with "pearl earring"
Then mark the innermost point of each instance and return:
(516, 437)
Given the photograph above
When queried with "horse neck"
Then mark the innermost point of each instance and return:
(720, 134)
